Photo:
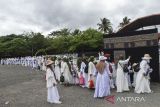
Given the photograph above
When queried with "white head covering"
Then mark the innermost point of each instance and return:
(134, 64)
(64, 56)
(102, 58)
(146, 56)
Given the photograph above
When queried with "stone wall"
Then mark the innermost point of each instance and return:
(132, 41)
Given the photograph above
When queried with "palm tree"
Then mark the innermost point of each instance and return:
(65, 32)
(125, 21)
(105, 26)
(76, 32)
(62, 32)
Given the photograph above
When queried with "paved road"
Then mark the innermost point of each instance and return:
(24, 87)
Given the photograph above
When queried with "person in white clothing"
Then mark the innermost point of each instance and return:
(121, 80)
(43, 63)
(57, 69)
(66, 72)
(52, 95)
(114, 73)
(74, 71)
(91, 70)
(102, 88)
(143, 76)
(108, 61)
(135, 68)
(129, 74)
(84, 71)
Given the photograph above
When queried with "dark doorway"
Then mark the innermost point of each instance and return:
(138, 53)
(136, 56)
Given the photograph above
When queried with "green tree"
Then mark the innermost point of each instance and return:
(124, 22)
(15, 47)
(76, 32)
(31, 43)
(89, 40)
(105, 26)
(62, 32)
(35, 42)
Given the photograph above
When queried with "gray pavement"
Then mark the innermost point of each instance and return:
(24, 87)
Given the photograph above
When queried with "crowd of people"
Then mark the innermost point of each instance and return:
(33, 62)
(100, 74)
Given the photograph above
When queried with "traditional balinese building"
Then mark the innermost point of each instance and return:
(135, 39)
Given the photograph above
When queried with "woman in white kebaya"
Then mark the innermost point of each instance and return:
(57, 69)
(66, 72)
(102, 88)
(134, 66)
(114, 73)
(52, 95)
(74, 71)
(91, 70)
(43, 64)
(143, 76)
(84, 71)
(128, 75)
(122, 80)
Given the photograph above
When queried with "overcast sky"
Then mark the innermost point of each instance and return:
(18, 16)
